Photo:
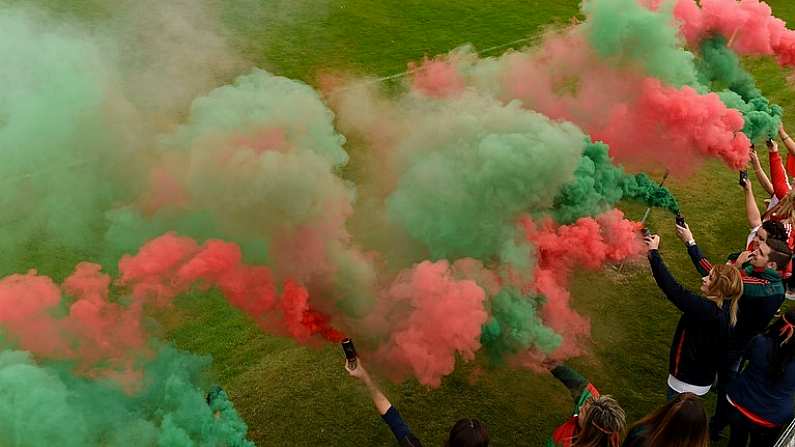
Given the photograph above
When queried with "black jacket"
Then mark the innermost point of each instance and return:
(701, 338)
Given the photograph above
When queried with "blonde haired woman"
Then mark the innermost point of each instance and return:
(702, 334)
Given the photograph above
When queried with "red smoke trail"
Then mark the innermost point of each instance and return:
(749, 26)
(644, 121)
(702, 122)
(433, 317)
(588, 243)
(170, 265)
(95, 330)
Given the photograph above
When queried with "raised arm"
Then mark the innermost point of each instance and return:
(777, 174)
(683, 299)
(388, 413)
(572, 380)
(751, 208)
(702, 264)
(761, 175)
(380, 401)
(790, 145)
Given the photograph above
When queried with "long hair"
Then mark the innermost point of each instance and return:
(727, 285)
(783, 210)
(782, 333)
(681, 422)
(603, 424)
(468, 433)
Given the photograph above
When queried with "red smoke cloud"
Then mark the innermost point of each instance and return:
(435, 318)
(644, 121)
(700, 122)
(749, 26)
(92, 329)
(588, 243)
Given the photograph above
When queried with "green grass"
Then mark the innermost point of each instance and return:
(301, 396)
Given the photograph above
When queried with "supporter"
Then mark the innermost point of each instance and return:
(760, 230)
(465, 432)
(702, 334)
(763, 290)
(774, 228)
(761, 397)
(682, 422)
(763, 294)
(597, 421)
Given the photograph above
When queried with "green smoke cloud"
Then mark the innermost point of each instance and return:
(49, 405)
(720, 67)
(599, 184)
(59, 151)
(479, 167)
(514, 327)
(629, 33)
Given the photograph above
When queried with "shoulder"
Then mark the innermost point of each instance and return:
(636, 436)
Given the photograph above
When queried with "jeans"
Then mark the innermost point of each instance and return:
(742, 430)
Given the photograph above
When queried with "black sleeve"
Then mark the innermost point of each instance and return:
(703, 266)
(572, 380)
(635, 437)
(685, 300)
(399, 428)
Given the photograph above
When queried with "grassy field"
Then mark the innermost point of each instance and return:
(299, 396)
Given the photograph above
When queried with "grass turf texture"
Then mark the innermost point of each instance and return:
(297, 396)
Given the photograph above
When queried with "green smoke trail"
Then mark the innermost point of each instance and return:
(599, 184)
(49, 405)
(515, 327)
(720, 67)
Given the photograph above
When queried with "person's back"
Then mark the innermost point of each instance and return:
(760, 398)
(682, 422)
(700, 339)
(767, 395)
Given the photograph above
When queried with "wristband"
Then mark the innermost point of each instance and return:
(691, 242)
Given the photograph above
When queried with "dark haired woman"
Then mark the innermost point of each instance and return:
(681, 422)
(761, 397)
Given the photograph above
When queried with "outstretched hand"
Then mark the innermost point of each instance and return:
(746, 185)
(684, 234)
(652, 241)
(359, 372)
